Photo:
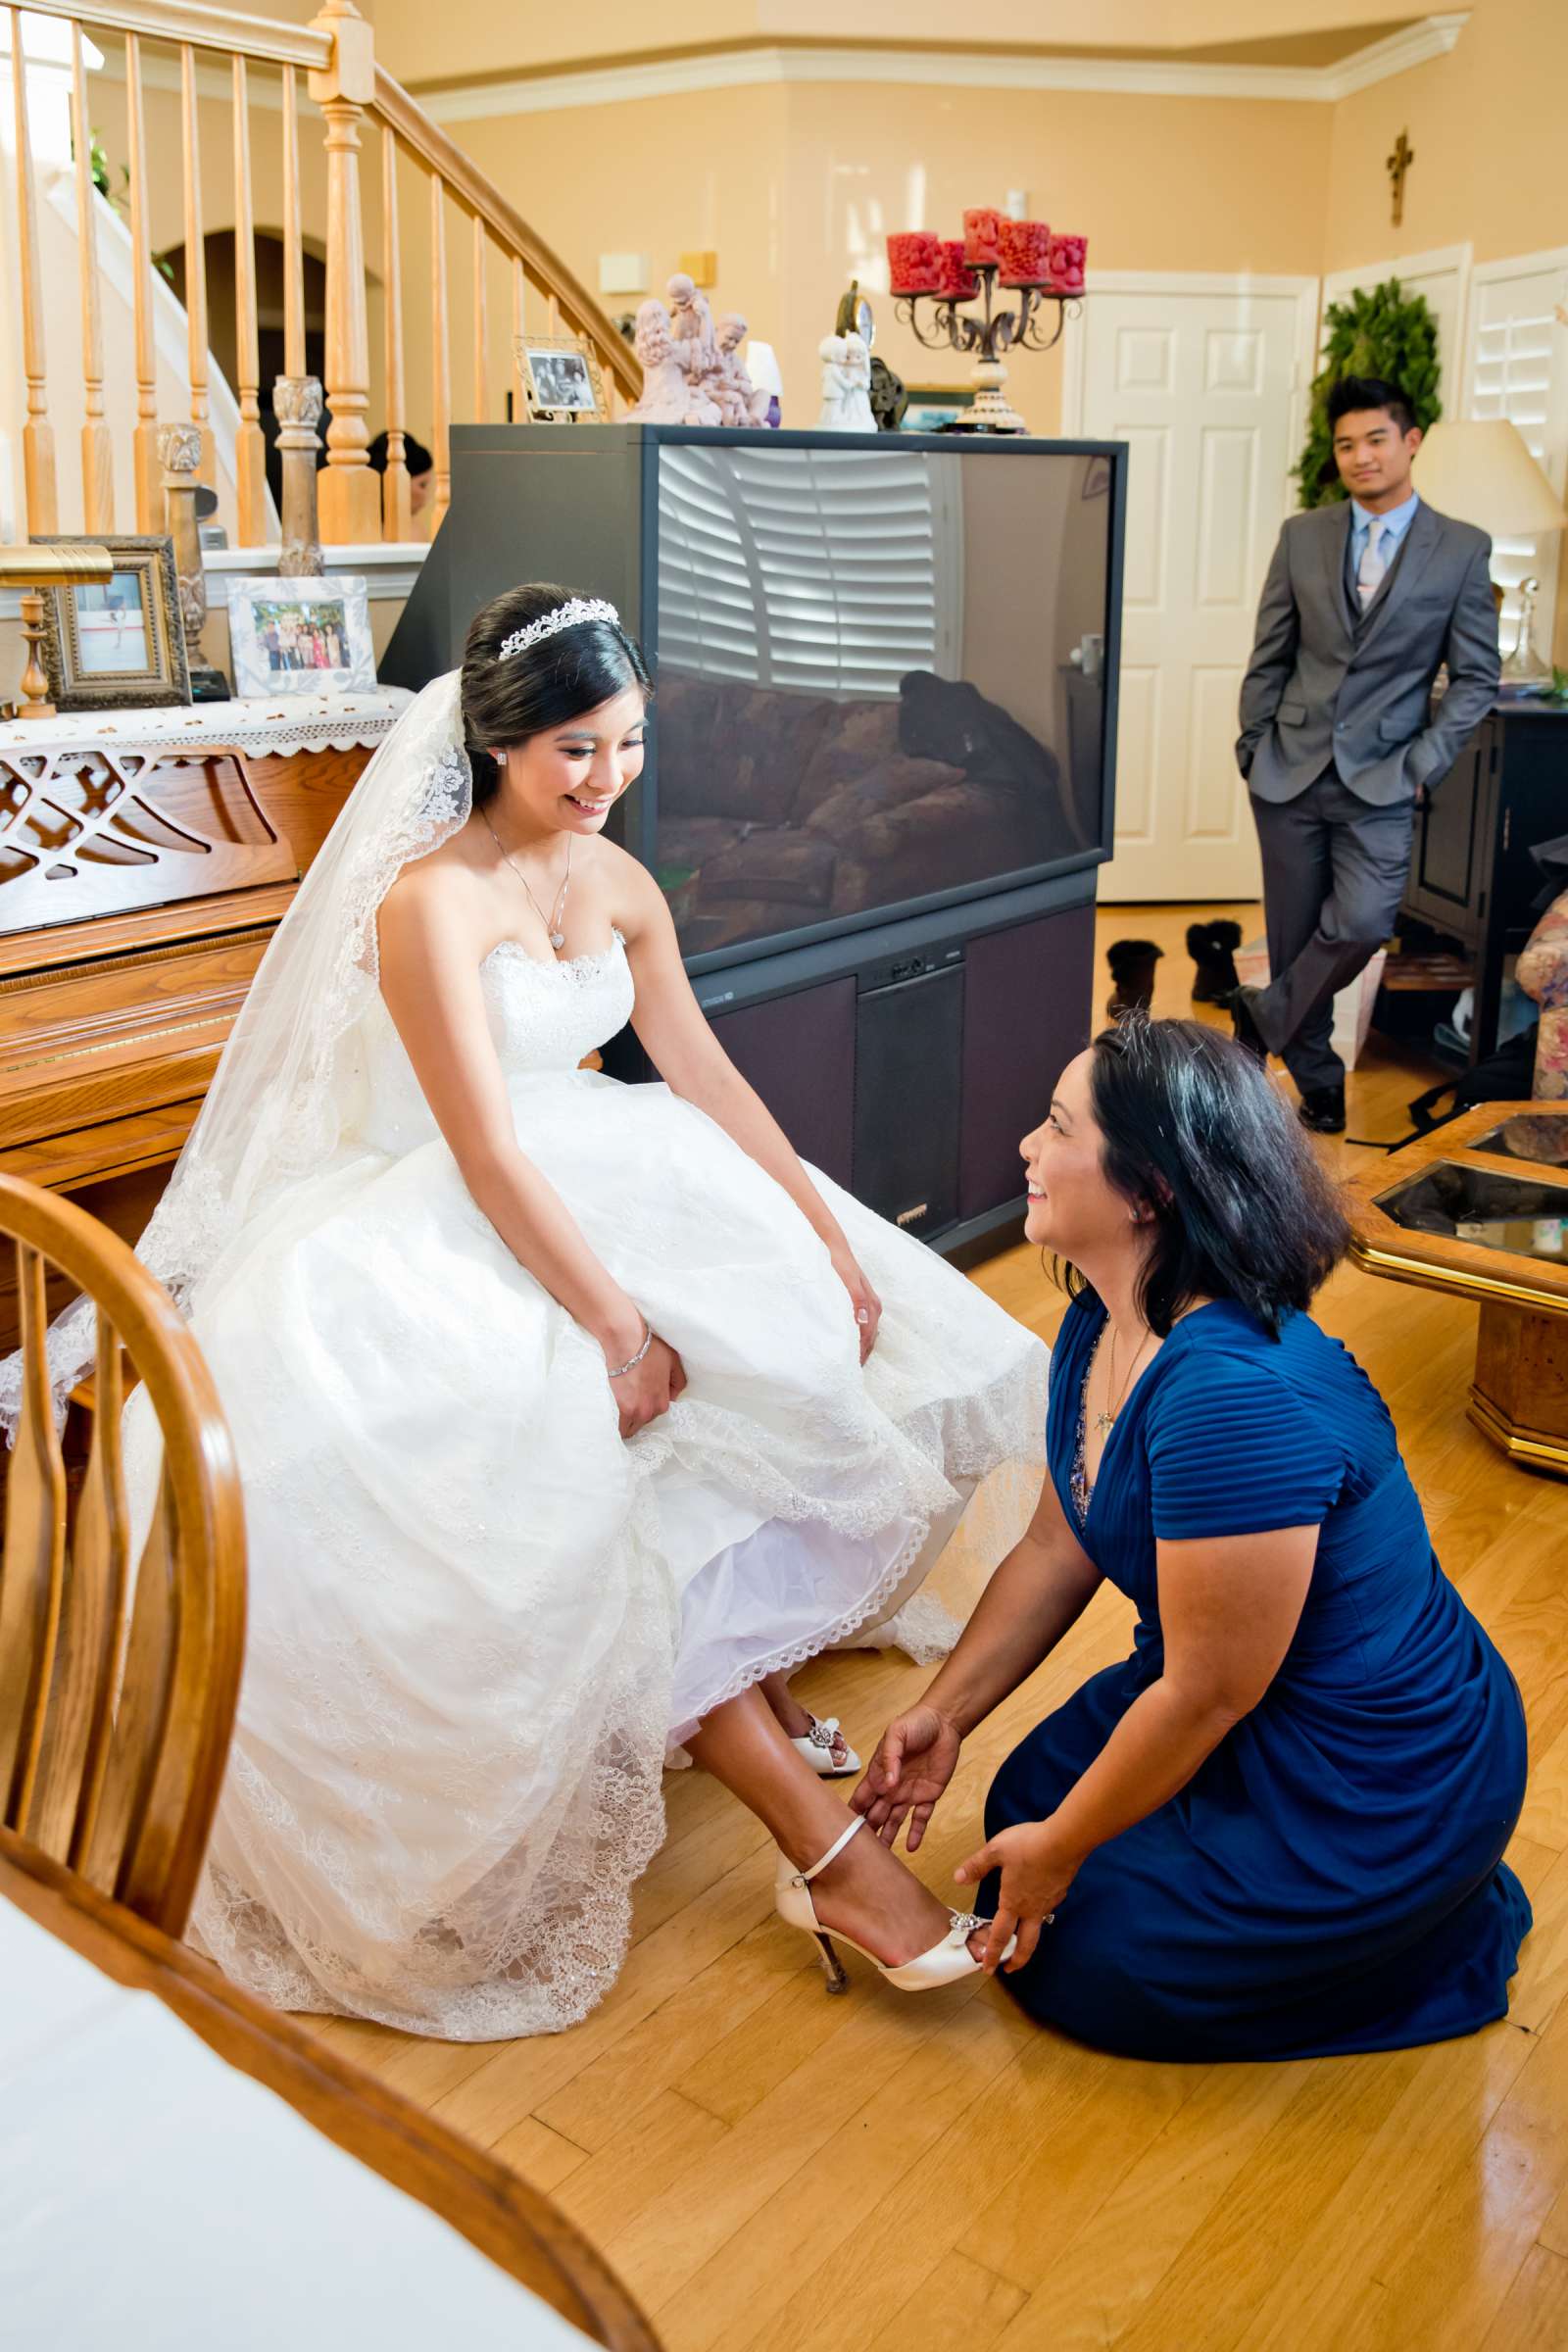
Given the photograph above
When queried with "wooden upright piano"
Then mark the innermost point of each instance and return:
(145, 863)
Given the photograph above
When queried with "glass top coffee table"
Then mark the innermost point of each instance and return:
(1480, 1209)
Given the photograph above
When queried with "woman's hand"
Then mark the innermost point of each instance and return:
(916, 1759)
(1035, 1876)
(867, 1305)
(650, 1388)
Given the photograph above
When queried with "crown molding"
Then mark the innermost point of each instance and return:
(777, 66)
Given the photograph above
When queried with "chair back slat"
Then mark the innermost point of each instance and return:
(33, 1562)
(114, 1733)
(91, 1639)
(141, 1707)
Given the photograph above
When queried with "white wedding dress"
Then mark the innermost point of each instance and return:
(478, 1619)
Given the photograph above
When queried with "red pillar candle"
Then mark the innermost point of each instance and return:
(1025, 252)
(981, 233)
(914, 262)
(1067, 264)
(958, 282)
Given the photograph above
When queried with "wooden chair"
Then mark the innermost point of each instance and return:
(519, 2228)
(117, 1680)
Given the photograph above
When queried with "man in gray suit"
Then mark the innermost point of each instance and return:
(1364, 599)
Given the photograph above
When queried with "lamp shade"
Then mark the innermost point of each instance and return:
(1481, 471)
(761, 366)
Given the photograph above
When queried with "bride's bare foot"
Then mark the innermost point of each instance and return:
(868, 1893)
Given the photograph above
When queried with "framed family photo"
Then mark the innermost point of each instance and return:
(118, 644)
(560, 379)
(300, 635)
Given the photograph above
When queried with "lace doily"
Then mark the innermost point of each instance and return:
(261, 729)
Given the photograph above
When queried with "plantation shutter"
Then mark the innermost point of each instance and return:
(824, 572)
(1519, 370)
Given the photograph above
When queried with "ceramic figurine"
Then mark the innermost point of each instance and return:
(750, 404)
(696, 347)
(846, 385)
(668, 395)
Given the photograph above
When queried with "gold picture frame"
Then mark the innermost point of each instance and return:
(119, 646)
(561, 380)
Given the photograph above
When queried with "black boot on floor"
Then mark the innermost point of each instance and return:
(1323, 1111)
(1132, 964)
(1239, 1004)
(1212, 948)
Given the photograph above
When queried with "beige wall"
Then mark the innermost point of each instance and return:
(1491, 138)
(796, 187)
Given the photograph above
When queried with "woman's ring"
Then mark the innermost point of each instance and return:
(862, 1315)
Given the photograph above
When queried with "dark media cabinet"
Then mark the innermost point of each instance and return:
(1472, 879)
(906, 1056)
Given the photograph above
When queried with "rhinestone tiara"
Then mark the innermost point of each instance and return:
(569, 615)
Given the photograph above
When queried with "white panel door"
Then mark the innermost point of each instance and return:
(1203, 381)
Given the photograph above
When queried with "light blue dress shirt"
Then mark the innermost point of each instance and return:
(1395, 525)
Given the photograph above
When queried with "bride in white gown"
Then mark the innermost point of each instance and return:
(568, 1414)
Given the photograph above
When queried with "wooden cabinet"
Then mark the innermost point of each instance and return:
(1472, 877)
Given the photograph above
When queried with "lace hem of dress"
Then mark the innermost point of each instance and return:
(534, 1945)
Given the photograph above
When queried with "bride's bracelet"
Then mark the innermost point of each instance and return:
(618, 1371)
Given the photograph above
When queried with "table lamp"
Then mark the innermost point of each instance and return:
(1481, 471)
(70, 563)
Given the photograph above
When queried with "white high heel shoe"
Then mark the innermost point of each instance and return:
(945, 1963)
(817, 1746)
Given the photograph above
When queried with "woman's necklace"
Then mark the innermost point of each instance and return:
(555, 920)
(1105, 1422)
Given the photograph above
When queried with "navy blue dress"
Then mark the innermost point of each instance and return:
(1331, 1878)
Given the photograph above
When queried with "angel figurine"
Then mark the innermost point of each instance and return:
(668, 396)
(846, 385)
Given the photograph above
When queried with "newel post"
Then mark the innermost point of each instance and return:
(350, 493)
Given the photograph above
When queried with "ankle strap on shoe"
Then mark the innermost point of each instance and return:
(803, 1878)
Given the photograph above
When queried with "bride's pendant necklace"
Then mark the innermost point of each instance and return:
(555, 921)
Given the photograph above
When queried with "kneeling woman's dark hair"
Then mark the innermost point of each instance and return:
(546, 685)
(1240, 1205)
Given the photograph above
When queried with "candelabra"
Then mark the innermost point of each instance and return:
(1029, 327)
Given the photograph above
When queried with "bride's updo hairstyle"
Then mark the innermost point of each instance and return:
(507, 698)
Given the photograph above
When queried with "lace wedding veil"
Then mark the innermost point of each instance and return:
(280, 1098)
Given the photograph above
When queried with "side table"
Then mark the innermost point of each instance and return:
(1480, 1208)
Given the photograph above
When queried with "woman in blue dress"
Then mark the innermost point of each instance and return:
(1276, 1830)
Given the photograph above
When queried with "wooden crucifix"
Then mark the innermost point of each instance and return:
(1397, 166)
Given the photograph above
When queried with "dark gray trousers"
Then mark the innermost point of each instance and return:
(1334, 874)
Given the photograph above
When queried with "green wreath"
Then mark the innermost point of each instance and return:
(1380, 332)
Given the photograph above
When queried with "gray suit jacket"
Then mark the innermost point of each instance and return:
(1329, 683)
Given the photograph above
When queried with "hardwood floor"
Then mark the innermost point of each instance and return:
(766, 2167)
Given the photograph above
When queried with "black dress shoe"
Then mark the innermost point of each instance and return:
(1244, 1024)
(1323, 1111)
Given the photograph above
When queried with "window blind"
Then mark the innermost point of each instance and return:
(1519, 370)
(825, 571)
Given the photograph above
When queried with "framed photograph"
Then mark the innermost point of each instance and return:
(300, 635)
(561, 380)
(933, 406)
(119, 645)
